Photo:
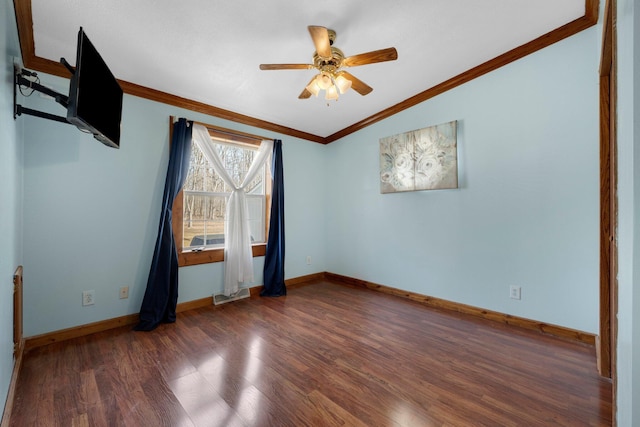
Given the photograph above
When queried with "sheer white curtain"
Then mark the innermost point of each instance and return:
(238, 257)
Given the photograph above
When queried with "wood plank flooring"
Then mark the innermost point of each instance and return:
(325, 355)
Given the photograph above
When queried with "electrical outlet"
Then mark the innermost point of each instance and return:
(308, 259)
(514, 292)
(88, 297)
(124, 292)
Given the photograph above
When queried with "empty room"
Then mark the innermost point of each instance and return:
(308, 213)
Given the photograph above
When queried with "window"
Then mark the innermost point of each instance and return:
(200, 209)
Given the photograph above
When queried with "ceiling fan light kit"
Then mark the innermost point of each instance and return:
(331, 83)
(329, 60)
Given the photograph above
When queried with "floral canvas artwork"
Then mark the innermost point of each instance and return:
(424, 159)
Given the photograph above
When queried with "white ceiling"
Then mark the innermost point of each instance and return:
(209, 51)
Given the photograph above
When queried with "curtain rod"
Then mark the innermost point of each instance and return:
(230, 132)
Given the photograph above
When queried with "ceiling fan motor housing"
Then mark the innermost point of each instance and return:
(330, 65)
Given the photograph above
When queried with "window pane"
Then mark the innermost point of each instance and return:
(203, 220)
(255, 186)
(256, 218)
(236, 160)
(201, 176)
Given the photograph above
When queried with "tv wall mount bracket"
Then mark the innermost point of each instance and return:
(20, 80)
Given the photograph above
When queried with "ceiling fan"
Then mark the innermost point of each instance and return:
(329, 61)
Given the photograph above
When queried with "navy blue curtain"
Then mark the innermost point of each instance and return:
(273, 272)
(161, 296)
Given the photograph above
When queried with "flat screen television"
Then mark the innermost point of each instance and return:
(95, 97)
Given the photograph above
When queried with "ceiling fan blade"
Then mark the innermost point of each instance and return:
(305, 94)
(320, 37)
(382, 55)
(286, 66)
(356, 84)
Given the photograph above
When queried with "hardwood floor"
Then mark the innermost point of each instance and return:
(326, 354)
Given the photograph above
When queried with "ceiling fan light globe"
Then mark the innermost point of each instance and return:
(323, 81)
(332, 93)
(343, 84)
(313, 88)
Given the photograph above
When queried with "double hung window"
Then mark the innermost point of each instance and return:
(201, 208)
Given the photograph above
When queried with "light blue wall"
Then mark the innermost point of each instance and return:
(628, 130)
(10, 192)
(526, 212)
(91, 213)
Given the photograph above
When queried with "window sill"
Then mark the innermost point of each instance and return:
(213, 255)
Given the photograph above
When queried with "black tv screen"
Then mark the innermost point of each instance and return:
(95, 97)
